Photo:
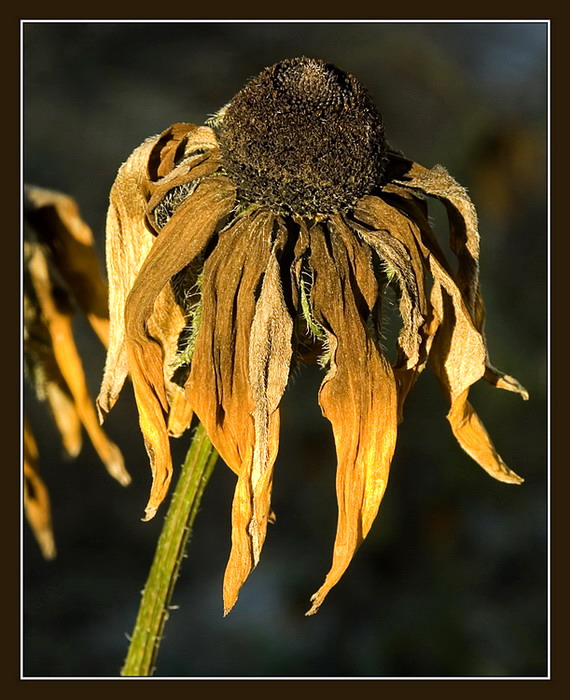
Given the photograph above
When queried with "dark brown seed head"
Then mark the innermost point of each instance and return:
(303, 137)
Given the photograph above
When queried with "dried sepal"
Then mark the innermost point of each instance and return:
(358, 396)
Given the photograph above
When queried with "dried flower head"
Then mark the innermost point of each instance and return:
(61, 273)
(270, 238)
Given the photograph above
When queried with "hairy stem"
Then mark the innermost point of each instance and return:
(155, 602)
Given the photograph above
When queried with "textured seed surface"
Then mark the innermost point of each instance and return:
(303, 137)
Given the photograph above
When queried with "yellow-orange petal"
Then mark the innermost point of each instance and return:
(474, 439)
(57, 222)
(182, 239)
(270, 352)
(359, 397)
(58, 321)
(241, 344)
(36, 498)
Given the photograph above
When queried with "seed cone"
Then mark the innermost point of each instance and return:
(303, 137)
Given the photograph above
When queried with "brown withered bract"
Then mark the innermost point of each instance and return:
(61, 274)
(269, 238)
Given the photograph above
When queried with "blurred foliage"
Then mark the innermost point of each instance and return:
(452, 580)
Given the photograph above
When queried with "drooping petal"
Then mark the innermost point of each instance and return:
(458, 354)
(392, 237)
(128, 242)
(238, 374)
(358, 396)
(58, 223)
(183, 238)
(463, 229)
(270, 351)
(175, 157)
(218, 385)
(36, 497)
(464, 242)
(63, 411)
(57, 318)
(458, 359)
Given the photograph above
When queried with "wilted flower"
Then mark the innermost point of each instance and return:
(61, 272)
(268, 238)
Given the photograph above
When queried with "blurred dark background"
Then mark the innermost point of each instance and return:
(452, 580)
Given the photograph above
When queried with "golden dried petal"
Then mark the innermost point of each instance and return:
(430, 247)
(36, 497)
(64, 414)
(237, 374)
(358, 396)
(57, 222)
(218, 385)
(392, 236)
(458, 355)
(156, 166)
(458, 359)
(128, 242)
(463, 229)
(58, 321)
(474, 439)
(270, 351)
(183, 238)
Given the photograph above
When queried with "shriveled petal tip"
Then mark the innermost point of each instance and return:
(506, 382)
(180, 415)
(474, 439)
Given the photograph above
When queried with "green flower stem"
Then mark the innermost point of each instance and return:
(154, 607)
